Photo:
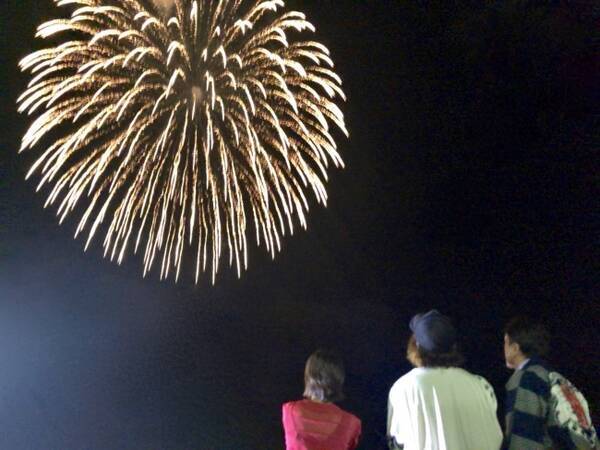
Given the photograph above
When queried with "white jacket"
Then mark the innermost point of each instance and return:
(443, 409)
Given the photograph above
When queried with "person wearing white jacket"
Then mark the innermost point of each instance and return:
(438, 405)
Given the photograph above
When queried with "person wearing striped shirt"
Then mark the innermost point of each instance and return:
(528, 389)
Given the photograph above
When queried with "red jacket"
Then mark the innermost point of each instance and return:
(311, 425)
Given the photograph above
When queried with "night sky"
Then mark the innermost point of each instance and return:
(471, 186)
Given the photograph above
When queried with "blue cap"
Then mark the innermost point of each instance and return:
(433, 331)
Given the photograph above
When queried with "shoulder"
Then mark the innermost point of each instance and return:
(288, 407)
(351, 419)
(288, 416)
(534, 377)
(482, 381)
(406, 381)
(469, 379)
(485, 386)
(537, 368)
(352, 424)
(423, 379)
(459, 372)
(473, 376)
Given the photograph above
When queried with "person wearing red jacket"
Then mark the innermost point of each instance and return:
(316, 423)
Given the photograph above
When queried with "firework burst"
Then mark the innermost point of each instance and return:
(179, 124)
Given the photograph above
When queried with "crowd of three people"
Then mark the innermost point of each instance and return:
(437, 405)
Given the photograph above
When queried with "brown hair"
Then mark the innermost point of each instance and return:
(324, 377)
(420, 357)
(532, 337)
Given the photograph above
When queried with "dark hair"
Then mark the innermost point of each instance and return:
(324, 376)
(419, 357)
(533, 338)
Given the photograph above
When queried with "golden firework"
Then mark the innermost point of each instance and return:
(177, 123)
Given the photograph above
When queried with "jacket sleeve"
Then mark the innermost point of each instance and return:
(357, 434)
(391, 428)
(288, 423)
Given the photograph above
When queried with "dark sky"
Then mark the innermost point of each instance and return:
(471, 186)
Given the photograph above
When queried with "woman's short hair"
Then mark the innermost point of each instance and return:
(324, 376)
(419, 357)
(533, 337)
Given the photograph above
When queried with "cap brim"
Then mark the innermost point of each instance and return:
(414, 321)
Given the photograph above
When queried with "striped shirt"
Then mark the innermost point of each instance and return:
(527, 403)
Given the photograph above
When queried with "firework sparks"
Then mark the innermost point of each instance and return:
(180, 124)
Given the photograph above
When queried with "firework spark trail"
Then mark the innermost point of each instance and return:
(182, 122)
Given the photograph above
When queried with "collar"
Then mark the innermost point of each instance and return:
(523, 364)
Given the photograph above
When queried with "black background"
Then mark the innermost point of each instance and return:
(471, 187)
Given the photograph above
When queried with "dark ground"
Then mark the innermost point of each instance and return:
(471, 186)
